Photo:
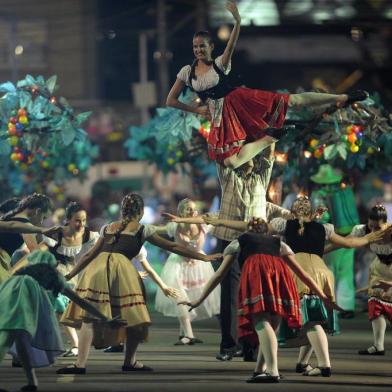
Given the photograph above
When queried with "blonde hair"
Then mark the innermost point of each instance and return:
(182, 205)
(302, 209)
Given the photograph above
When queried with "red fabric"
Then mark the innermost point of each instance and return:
(246, 114)
(266, 285)
(378, 307)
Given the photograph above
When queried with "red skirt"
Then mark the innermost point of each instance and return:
(246, 114)
(266, 286)
(378, 307)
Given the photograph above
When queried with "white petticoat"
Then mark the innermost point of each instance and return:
(189, 277)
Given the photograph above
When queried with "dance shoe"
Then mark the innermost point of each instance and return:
(72, 352)
(183, 342)
(301, 368)
(356, 96)
(142, 368)
(73, 369)
(229, 354)
(318, 371)
(373, 351)
(16, 364)
(114, 349)
(258, 378)
(29, 388)
(348, 314)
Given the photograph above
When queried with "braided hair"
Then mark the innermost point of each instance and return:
(34, 201)
(205, 35)
(132, 205)
(302, 209)
(378, 212)
(72, 208)
(9, 205)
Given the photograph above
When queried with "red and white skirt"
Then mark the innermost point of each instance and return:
(378, 307)
(266, 286)
(246, 114)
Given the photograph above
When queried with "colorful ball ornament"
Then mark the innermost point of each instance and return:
(13, 140)
(22, 112)
(318, 154)
(350, 129)
(352, 138)
(14, 156)
(23, 120)
(354, 148)
(71, 167)
(313, 143)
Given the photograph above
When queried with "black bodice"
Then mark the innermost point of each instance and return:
(256, 243)
(312, 241)
(10, 242)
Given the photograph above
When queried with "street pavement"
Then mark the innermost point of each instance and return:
(194, 368)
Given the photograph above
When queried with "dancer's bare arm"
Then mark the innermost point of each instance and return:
(213, 282)
(231, 6)
(179, 219)
(357, 242)
(231, 224)
(181, 250)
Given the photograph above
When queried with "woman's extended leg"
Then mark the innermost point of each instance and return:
(302, 100)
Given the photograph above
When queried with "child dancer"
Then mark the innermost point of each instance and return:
(239, 115)
(112, 283)
(380, 295)
(267, 290)
(307, 237)
(189, 276)
(27, 316)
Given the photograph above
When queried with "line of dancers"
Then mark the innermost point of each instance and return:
(267, 286)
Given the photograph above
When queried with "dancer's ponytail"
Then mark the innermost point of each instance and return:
(302, 210)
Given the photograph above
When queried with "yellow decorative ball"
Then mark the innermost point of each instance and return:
(45, 164)
(14, 156)
(354, 148)
(371, 150)
(71, 167)
(13, 140)
(170, 161)
(318, 154)
(23, 120)
(313, 143)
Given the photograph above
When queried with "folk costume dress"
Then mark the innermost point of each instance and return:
(9, 243)
(113, 285)
(68, 257)
(26, 308)
(266, 283)
(189, 276)
(309, 249)
(239, 114)
(379, 301)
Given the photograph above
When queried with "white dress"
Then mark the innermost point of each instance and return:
(189, 276)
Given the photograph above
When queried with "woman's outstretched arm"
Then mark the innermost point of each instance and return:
(231, 6)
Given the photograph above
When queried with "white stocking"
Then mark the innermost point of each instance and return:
(302, 100)
(379, 326)
(85, 340)
(186, 326)
(305, 352)
(319, 341)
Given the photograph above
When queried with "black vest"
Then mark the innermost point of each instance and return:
(312, 241)
(256, 243)
(226, 84)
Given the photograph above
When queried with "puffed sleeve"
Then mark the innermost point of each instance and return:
(219, 64)
(358, 231)
(148, 231)
(102, 231)
(49, 241)
(285, 250)
(279, 225)
(171, 229)
(142, 255)
(232, 248)
(329, 230)
(184, 74)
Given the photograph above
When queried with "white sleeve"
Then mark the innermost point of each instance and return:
(102, 231)
(285, 250)
(94, 235)
(279, 225)
(148, 231)
(184, 74)
(218, 62)
(329, 230)
(142, 255)
(232, 248)
(49, 241)
(358, 231)
(171, 229)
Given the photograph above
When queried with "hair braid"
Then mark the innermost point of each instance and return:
(36, 200)
(131, 206)
(302, 209)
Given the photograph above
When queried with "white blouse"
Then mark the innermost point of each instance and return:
(234, 247)
(279, 226)
(205, 81)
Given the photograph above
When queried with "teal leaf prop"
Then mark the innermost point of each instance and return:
(82, 117)
(7, 87)
(51, 84)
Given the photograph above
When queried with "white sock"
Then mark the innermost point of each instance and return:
(305, 352)
(379, 326)
(85, 340)
(298, 101)
(319, 341)
(268, 346)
